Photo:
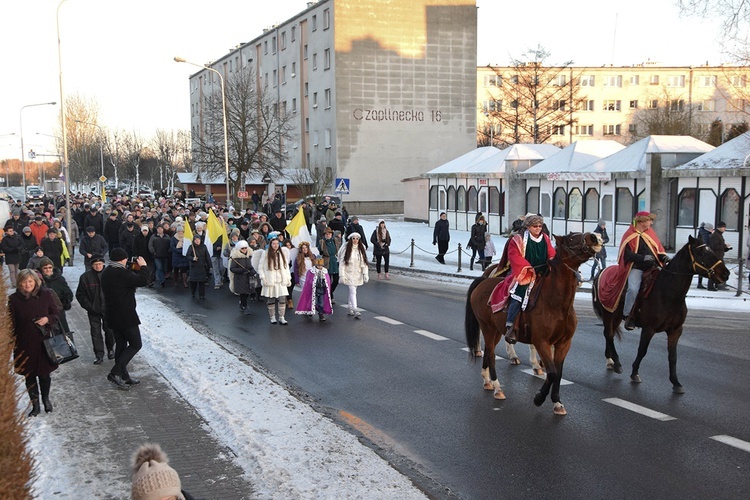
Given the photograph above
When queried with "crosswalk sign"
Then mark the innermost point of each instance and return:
(342, 185)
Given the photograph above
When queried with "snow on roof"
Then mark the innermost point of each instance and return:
(732, 154)
(490, 160)
(288, 176)
(575, 156)
(633, 158)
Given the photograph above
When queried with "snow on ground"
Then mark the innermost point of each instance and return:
(286, 448)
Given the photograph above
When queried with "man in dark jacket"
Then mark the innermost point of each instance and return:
(278, 223)
(91, 297)
(158, 246)
(338, 225)
(354, 227)
(140, 249)
(600, 259)
(127, 237)
(95, 219)
(719, 247)
(12, 248)
(704, 234)
(441, 237)
(53, 248)
(112, 230)
(92, 244)
(118, 285)
(29, 244)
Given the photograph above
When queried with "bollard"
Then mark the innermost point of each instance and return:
(411, 264)
(459, 258)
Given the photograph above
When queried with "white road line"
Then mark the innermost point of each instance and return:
(737, 443)
(638, 409)
(430, 335)
(530, 371)
(388, 320)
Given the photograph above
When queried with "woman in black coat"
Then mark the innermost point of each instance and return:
(477, 240)
(33, 307)
(199, 266)
(243, 278)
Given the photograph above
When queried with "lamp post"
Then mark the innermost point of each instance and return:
(223, 114)
(23, 153)
(68, 219)
(101, 148)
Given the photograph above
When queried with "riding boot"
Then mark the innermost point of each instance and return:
(630, 321)
(272, 313)
(44, 386)
(510, 334)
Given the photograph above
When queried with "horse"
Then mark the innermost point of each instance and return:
(549, 325)
(664, 310)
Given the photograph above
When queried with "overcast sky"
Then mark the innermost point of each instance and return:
(120, 53)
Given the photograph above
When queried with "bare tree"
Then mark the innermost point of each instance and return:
(665, 113)
(534, 101)
(316, 180)
(735, 23)
(170, 148)
(133, 155)
(257, 125)
(83, 139)
(115, 148)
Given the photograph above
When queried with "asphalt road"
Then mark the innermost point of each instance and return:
(400, 378)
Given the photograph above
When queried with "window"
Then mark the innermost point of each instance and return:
(326, 19)
(304, 52)
(496, 204)
(294, 69)
(632, 128)
(652, 104)
(611, 129)
(738, 81)
(266, 84)
(575, 205)
(586, 81)
(546, 210)
(307, 88)
(559, 203)
(559, 105)
(307, 125)
(273, 45)
(283, 109)
(676, 81)
(558, 130)
(736, 105)
(294, 105)
(686, 208)
(327, 138)
(451, 205)
(315, 138)
(328, 98)
(583, 130)
(434, 198)
(634, 104)
(461, 199)
(613, 81)
(315, 61)
(707, 105)
(472, 199)
(612, 105)
(635, 80)
(514, 79)
(265, 47)
(532, 200)
(586, 105)
(491, 106)
(729, 210)
(492, 81)
(314, 22)
(230, 66)
(624, 206)
(676, 105)
(482, 201)
(283, 75)
(591, 209)
(559, 81)
(707, 81)
(653, 80)
(275, 77)
(327, 59)
(283, 40)
(607, 207)
(294, 33)
(315, 100)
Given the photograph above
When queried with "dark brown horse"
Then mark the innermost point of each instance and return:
(665, 309)
(549, 325)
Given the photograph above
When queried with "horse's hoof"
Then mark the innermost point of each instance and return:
(678, 389)
(610, 364)
(559, 409)
(636, 379)
(488, 386)
(478, 354)
(515, 361)
(499, 395)
(539, 399)
(617, 368)
(538, 371)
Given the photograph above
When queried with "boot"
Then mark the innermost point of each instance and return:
(272, 313)
(282, 310)
(34, 396)
(184, 280)
(290, 303)
(510, 335)
(45, 384)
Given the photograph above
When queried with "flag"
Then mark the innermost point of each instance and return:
(214, 231)
(187, 238)
(297, 229)
(104, 194)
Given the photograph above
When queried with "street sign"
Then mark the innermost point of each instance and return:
(102, 179)
(342, 185)
(241, 194)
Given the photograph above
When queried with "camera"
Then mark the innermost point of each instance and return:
(133, 264)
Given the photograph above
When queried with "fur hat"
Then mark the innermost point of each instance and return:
(152, 477)
(644, 216)
(354, 235)
(117, 254)
(273, 235)
(532, 220)
(241, 244)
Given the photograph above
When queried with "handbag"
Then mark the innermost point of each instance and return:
(59, 346)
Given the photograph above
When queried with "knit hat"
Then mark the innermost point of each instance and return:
(708, 226)
(144, 228)
(96, 258)
(117, 254)
(26, 229)
(152, 477)
(45, 261)
(241, 244)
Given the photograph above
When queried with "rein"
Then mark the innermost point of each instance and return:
(695, 265)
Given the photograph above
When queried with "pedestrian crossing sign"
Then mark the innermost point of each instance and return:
(342, 186)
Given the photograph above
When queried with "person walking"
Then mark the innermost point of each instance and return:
(12, 248)
(704, 234)
(600, 259)
(441, 237)
(477, 241)
(275, 276)
(719, 247)
(118, 285)
(302, 262)
(180, 263)
(199, 263)
(29, 246)
(354, 269)
(91, 297)
(159, 247)
(34, 311)
(242, 275)
(55, 281)
(381, 243)
(328, 248)
(92, 244)
(315, 297)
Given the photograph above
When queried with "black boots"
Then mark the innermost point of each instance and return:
(35, 409)
(510, 335)
(47, 404)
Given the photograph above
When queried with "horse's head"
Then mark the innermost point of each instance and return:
(705, 262)
(578, 247)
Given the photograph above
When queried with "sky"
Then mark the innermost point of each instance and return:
(262, 423)
(120, 54)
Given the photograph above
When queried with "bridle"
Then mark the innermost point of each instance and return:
(697, 265)
(576, 250)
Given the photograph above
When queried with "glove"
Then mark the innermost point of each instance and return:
(649, 259)
(434, 242)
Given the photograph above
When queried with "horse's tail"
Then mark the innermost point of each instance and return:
(471, 324)
(601, 313)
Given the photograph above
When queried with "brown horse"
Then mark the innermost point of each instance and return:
(665, 310)
(549, 325)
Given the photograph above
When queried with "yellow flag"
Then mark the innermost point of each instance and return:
(215, 230)
(297, 229)
(187, 238)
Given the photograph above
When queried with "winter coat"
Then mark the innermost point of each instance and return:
(58, 284)
(380, 247)
(95, 245)
(159, 246)
(278, 223)
(178, 260)
(94, 219)
(329, 252)
(29, 352)
(356, 271)
(54, 250)
(199, 263)
(89, 292)
(39, 231)
(140, 246)
(126, 241)
(242, 277)
(602, 231)
(717, 244)
(476, 242)
(338, 225)
(355, 227)
(112, 231)
(118, 285)
(274, 281)
(441, 231)
(13, 248)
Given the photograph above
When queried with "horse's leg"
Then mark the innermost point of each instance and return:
(544, 351)
(560, 353)
(534, 360)
(491, 383)
(672, 338)
(613, 359)
(512, 356)
(646, 335)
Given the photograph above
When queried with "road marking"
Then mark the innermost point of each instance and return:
(388, 320)
(639, 409)
(430, 335)
(737, 443)
(530, 371)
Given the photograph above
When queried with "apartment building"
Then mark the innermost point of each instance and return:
(359, 80)
(619, 103)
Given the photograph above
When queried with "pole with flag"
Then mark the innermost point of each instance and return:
(297, 229)
(214, 231)
(187, 238)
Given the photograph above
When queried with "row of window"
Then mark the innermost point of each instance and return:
(689, 207)
(560, 80)
(496, 105)
(469, 200)
(293, 32)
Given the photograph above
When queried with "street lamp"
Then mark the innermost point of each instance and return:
(223, 114)
(68, 219)
(101, 148)
(23, 153)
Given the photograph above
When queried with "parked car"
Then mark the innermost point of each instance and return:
(291, 210)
